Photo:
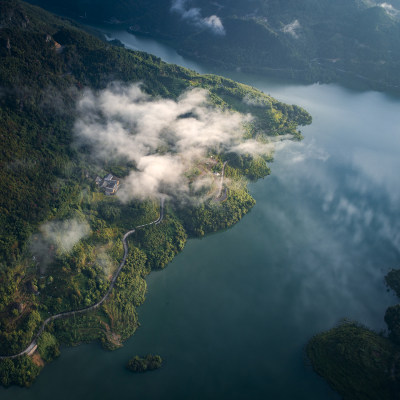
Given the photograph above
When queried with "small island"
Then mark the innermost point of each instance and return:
(143, 364)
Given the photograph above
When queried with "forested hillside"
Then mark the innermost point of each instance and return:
(355, 42)
(60, 235)
(358, 362)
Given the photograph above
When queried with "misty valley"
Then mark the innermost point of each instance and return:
(126, 170)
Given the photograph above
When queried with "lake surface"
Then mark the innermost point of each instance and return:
(232, 313)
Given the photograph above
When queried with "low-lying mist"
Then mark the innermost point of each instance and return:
(162, 138)
(56, 237)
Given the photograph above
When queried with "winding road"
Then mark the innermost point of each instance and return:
(33, 344)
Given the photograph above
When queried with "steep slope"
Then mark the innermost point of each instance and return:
(356, 42)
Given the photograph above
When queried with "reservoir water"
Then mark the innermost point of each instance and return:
(232, 313)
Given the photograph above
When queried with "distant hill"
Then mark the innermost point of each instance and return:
(356, 42)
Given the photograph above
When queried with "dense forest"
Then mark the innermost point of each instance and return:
(355, 42)
(60, 235)
(357, 362)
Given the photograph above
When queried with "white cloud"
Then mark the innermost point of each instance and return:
(163, 138)
(253, 147)
(214, 23)
(194, 16)
(292, 28)
(300, 152)
(56, 237)
(389, 9)
(64, 234)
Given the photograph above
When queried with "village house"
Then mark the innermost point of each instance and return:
(110, 184)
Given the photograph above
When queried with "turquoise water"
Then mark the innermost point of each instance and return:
(232, 313)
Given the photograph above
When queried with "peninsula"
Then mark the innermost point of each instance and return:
(73, 108)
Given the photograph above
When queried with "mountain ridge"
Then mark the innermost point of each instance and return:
(355, 43)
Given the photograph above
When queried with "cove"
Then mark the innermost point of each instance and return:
(231, 314)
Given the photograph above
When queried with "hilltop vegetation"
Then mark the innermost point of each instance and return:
(60, 235)
(356, 42)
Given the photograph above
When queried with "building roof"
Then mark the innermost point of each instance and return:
(112, 185)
